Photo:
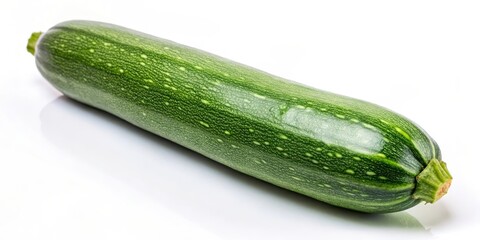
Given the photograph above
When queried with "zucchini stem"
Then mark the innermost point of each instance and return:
(433, 182)
(32, 42)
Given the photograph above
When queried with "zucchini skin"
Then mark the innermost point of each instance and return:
(339, 150)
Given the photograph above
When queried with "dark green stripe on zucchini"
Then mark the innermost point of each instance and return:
(336, 149)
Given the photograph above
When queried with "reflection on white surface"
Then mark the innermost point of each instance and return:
(90, 176)
(216, 198)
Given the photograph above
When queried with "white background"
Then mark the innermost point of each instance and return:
(70, 172)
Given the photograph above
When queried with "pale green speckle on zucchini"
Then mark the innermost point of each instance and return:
(336, 149)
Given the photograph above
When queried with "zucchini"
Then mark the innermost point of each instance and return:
(339, 150)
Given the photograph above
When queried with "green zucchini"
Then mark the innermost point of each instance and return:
(339, 150)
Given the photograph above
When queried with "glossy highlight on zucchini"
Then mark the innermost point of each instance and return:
(339, 150)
